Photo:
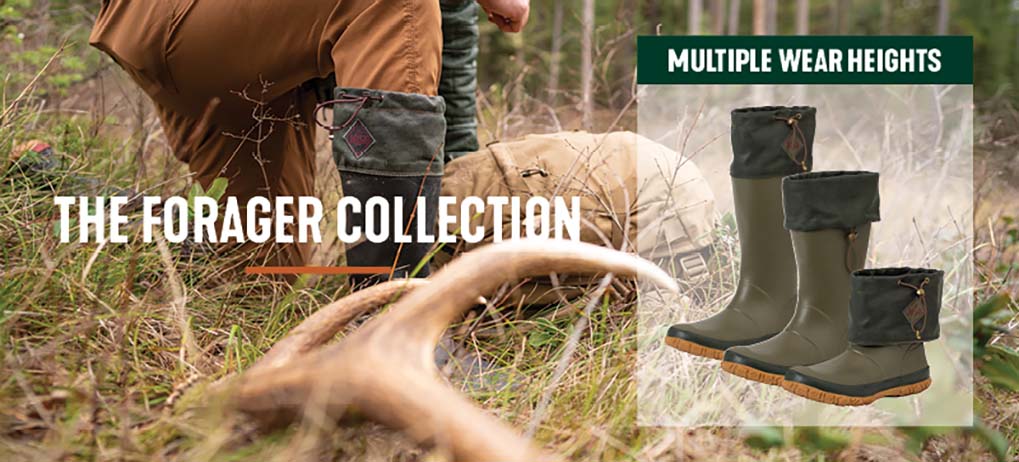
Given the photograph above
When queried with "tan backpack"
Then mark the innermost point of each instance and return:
(655, 204)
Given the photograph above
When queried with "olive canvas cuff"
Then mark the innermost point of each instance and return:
(772, 141)
(830, 200)
(891, 306)
(387, 133)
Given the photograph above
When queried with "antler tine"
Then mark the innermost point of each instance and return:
(323, 325)
(386, 369)
(453, 289)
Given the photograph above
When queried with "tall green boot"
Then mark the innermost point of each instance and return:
(458, 83)
(829, 215)
(892, 312)
(768, 143)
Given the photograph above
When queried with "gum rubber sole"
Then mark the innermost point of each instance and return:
(687, 346)
(816, 394)
(750, 373)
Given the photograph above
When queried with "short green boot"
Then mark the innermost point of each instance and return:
(768, 143)
(829, 215)
(892, 312)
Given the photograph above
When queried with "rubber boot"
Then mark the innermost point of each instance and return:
(892, 313)
(768, 144)
(403, 259)
(829, 216)
(389, 145)
(458, 83)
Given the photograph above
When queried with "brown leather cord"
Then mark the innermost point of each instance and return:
(794, 124)
(343, 99)
(916, 311)
(851, 250)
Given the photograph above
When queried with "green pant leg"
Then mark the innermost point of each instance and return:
(459, 80)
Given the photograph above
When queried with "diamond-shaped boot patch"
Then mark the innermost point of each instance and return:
(359, 139)
(792, 144)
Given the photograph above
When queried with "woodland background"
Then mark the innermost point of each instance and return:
(91, 337)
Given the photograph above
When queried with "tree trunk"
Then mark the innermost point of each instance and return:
(556, 52)
(693, 18)
(625, 60)
(587, 66)
(653, 15)
(760, 22)
(718, 17)
(760, 95)
(841, 16)
(734, 7)
(886, 17)
(771, 13)
(802, 28)
(520, 58)
(943, 12)
(834, 16)
(802, 17)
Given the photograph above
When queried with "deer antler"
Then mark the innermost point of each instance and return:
(386, 369)
(325, 323)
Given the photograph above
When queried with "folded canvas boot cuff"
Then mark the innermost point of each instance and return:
(830, 200)
(895, 305)
(772, 141)
(386, 133)
(892, 312)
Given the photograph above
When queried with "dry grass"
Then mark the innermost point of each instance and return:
(93, 349)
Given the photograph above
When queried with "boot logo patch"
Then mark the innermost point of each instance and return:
(914, 312)
(792, 144)
(359, 139)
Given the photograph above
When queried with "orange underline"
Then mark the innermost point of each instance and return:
(317, 270)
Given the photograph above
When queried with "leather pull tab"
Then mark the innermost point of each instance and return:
(851, 238)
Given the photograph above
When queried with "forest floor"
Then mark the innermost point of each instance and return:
(92, 339)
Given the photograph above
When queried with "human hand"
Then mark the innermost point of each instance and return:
(508, 15)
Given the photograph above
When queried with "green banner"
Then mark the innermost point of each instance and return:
(813, 59)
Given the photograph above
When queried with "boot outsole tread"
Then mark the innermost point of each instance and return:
(687, 346)
(750, 373)
(827, 397)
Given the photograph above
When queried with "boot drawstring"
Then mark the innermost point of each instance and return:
(796, 132)
(851, 249)
(916, 311)
(344, 98)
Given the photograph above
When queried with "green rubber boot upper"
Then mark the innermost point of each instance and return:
(829, 215)
(766, 292)
(768, 143)
(458, 83)
(892, 312)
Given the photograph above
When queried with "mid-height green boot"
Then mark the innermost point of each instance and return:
(892, 312)
(388, 146)
(829, 216)
(768, 143)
